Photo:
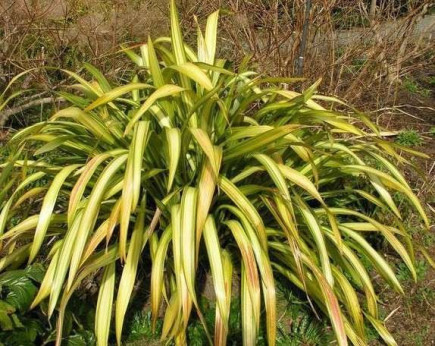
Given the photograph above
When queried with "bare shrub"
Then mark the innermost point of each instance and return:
(63, 33)
(351, 49)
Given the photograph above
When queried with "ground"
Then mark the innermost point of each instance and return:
(412, 316)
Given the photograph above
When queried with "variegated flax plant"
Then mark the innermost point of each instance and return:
(193, 162)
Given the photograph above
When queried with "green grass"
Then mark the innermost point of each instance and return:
(411, 85)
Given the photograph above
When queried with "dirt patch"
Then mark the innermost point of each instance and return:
(413, 319)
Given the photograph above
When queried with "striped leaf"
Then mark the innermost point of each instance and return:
(129, 272)
(103, 313)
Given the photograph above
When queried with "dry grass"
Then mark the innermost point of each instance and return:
(361, 55)
(357, 54)
(353, 52)
(64, 33)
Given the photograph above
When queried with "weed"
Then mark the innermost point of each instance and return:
(372, 334)
(418, 338)
(409, 138)
(21, 327)
(358, 64)
(410, 85)
(298, 325)
(141, 327)
(421, 268)
(425, 294)
(428, 239)
(414, 87)
(304, 331)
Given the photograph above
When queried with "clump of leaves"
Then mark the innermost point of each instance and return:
(141, 327)
(428, 240)
(298, 323)
(411, 85)
(306, 331)
(20, 327)
(17, 290)
(425, 294)
(409, 138)
(196, 163)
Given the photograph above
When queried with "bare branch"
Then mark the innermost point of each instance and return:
(4, 116)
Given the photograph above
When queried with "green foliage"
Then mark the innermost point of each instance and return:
(21, 327)
(421, 268)
(298, 324)
(141, 328)
(358, 64)
(428, 239)
(17, 290)
(305, 331)
(410, 85)
(414, 87)
(419, 338)
(409, 138)
(425, 295)
(202, 167)
(81, 338)
(372, 334)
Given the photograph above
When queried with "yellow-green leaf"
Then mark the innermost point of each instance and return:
(194, 73)
(128, 276)
(163, 91)
(103, 313)
(47, 209)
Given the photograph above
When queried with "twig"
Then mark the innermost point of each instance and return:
(4, 116)
(391, 314)
(397, 108)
